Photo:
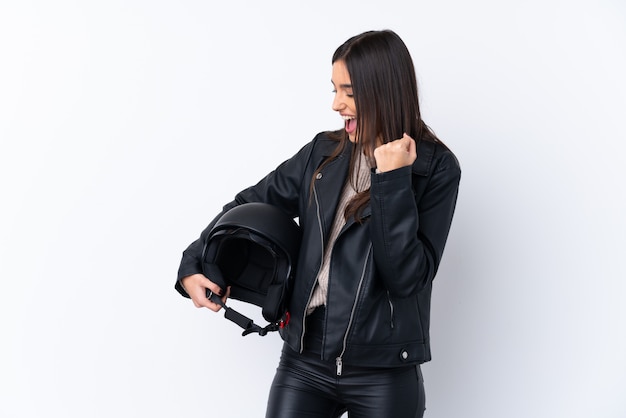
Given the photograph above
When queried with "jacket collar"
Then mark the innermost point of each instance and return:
(425, 154)
(330, 181)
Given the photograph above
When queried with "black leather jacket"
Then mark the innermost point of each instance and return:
(381, 270)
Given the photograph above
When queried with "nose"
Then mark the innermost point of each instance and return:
(338, 103)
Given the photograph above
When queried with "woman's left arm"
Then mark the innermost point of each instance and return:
(409, 229)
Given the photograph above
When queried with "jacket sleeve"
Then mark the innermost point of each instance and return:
(280, 188)
(409, 231)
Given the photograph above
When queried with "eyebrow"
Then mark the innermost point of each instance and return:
(343, 86)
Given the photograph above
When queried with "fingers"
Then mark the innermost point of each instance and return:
(226, 295)
(412, 148)
(196, 286)
(395, 154)
(208, 284)
(406, 140)
(217, 306)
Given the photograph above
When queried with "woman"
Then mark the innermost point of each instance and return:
(375, 202)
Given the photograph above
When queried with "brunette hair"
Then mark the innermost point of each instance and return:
(384, 85)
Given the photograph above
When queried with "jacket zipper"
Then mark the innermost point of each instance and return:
(339, 359)
(319, 222)
(390, 308)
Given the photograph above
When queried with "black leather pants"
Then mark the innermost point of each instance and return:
(306, 387)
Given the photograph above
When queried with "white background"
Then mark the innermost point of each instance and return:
(125, 125)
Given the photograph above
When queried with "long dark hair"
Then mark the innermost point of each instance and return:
(384, 85)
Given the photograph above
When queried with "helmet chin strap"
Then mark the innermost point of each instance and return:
(243, 321)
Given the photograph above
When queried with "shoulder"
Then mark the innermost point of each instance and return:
(311, 154)
(435, 157)
(326, 142)
(323, 145)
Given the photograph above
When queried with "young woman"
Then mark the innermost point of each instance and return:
(375, 202)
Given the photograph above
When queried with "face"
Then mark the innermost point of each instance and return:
(344, 98)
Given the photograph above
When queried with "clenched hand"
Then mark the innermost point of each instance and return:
(196, 286)
(395, 154)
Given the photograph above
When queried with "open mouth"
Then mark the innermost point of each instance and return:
(350, 124)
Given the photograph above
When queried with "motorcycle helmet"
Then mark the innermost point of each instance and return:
(253, 248)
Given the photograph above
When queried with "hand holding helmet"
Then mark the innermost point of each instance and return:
(196, 286)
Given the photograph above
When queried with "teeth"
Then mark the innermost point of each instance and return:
(347, 117)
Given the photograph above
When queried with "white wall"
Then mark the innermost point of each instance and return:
(125, 125)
